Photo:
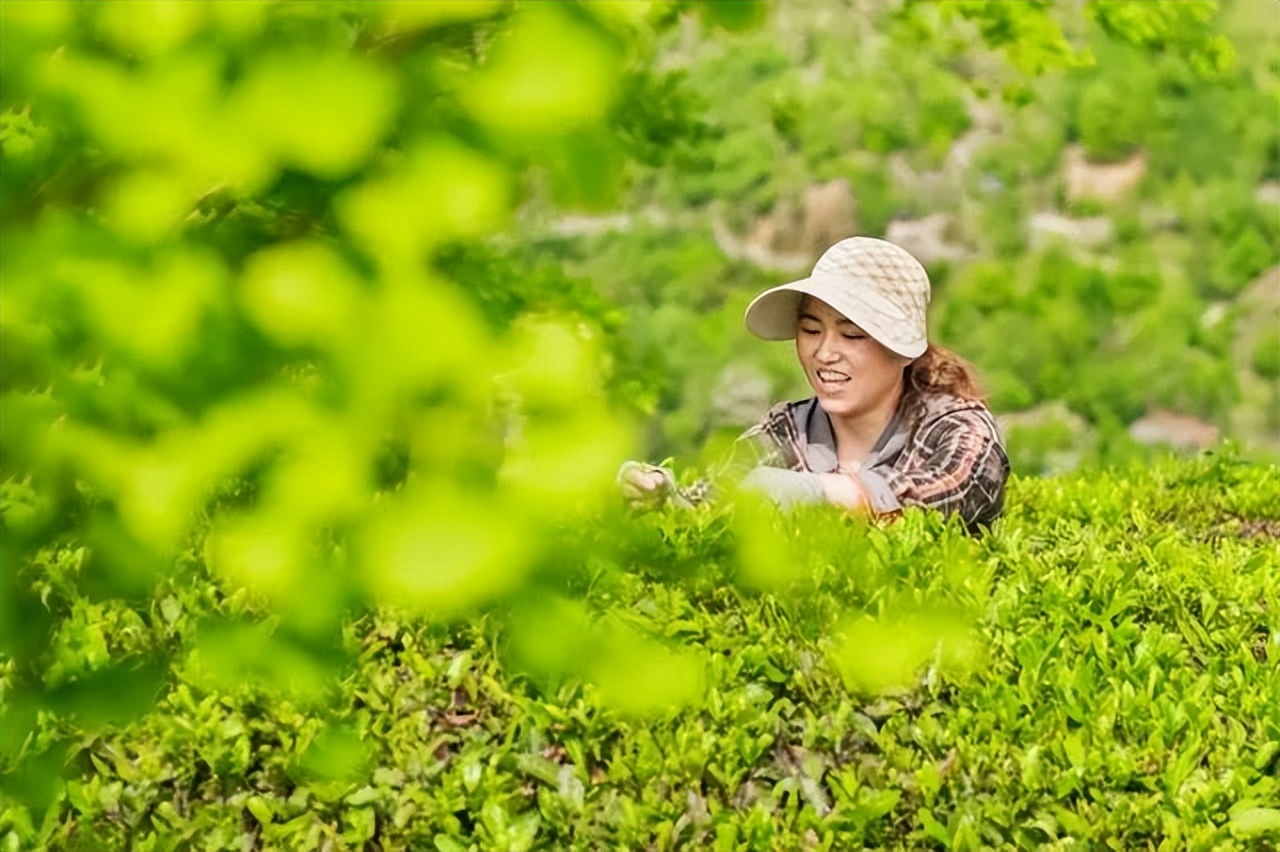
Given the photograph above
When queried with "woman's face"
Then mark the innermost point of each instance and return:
(851, 373)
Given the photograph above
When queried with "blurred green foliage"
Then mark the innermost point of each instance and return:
(255, 328)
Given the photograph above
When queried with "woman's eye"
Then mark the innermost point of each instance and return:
(804, 330)
(854, 336)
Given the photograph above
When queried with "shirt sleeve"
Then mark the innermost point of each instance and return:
(955, 464)
(774, 442)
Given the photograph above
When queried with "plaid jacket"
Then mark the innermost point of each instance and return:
(939, 452)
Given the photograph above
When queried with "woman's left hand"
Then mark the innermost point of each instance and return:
(844, 491)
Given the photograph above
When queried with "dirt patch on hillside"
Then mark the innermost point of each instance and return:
(1247, 529)
(1259, 528)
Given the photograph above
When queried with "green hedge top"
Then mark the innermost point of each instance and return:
(1098, 672)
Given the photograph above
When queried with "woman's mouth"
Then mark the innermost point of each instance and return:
(832, 380)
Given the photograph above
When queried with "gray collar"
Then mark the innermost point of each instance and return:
(820, 440)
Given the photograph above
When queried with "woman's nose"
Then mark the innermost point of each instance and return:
(826, 350)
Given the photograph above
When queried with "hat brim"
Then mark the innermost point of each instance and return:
(774, 314)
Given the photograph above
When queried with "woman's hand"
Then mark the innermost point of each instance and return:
(644, 484)
(844, 490)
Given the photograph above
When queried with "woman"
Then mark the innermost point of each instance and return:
(895, 421)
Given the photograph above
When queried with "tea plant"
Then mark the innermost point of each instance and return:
(1098, 671)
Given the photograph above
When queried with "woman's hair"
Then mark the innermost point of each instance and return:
(939, 370)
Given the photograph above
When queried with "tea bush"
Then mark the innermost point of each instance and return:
(1106, 678)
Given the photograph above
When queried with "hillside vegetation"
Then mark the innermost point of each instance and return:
(1103, 237)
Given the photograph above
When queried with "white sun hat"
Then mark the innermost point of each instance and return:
(875, 284)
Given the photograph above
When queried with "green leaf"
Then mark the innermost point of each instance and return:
(445, 843)
(734, 15)
(261, 810)
(1074, 750)
(933, 828)
(321, 113)
(1252, 822)
(526, 89)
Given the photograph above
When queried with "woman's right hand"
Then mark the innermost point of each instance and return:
(644, 484)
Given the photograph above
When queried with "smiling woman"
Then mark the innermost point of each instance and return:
(895, 421)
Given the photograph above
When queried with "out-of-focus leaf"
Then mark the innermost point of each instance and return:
(47, 18)
(151, 314)
(551, 635)
(24, 623)
(152, 27)
(442, 550)
(442, 191)
(642, 677)
(767, 557)
(259, 554)
(561, 462)
(239, 20)
(36, 782)
(395, 359)
(324, 476)
(230, 655)
(336, 754)
(551, 365)
(320, 112)
(18, 717)
(302, 294)
(410, 15)
(118, 564)
(876, 655)
(149, 204)
(554, 637)
(734, 15)
(174, 116)
(111, 695)
(165, 483)
(564, 445)
(524, 88)
(629, 12)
